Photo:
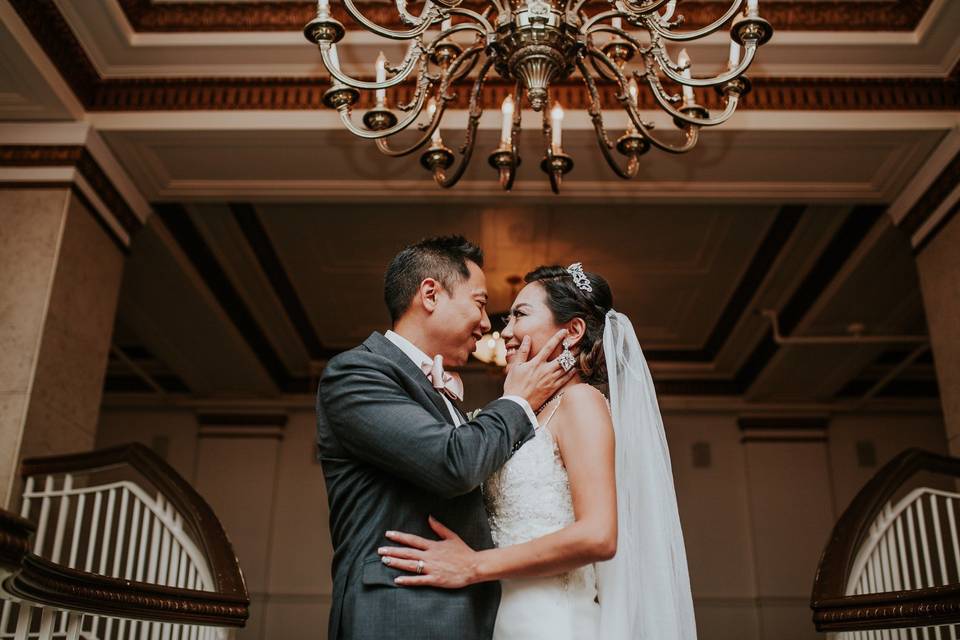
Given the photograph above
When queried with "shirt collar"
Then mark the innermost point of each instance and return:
(413, 352)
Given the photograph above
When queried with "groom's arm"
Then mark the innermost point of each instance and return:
(378, 422)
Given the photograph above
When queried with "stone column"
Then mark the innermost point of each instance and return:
(939, 266)
(61, 278)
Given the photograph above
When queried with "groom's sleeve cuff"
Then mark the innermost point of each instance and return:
(526, 408)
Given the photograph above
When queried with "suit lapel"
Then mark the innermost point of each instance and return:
(378, 343)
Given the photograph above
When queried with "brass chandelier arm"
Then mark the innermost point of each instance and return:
(369, 134)
(668, 67)
(408, 18)
(466, 150)
(415, 55)
(733, 99)
(596, 116)
(655, 25)
(642, 49)
(691, 132)
(644, 9)
(384, 146)
(430, 15)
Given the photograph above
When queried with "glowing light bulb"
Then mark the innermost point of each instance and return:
(556, 118)
(506, 127)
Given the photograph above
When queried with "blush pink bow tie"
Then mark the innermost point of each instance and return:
(444, 382)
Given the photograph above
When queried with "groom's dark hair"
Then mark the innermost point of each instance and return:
(443, 258)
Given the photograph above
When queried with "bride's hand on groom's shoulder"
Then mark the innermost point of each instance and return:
(538, 378)
(448, 563)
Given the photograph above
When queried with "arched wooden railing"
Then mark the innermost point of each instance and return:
(891, 568)
(115, 544)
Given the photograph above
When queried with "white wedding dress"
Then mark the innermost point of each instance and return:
(527, 498)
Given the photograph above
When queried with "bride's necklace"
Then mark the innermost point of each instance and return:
(555, 396)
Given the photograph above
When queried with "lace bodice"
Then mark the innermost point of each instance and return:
(529, 497)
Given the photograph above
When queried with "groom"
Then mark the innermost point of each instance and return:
(395, 446)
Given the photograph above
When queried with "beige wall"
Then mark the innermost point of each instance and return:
(61, 277)
(755, 520)
(939, 268)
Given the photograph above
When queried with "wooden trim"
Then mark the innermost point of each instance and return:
(937, 228)
(77, 156)
(242, 419)
(935, 194)
(782, 439)
(796, 423)
(843, 15)
(246, 217)
(832, 610)
(198, 517)
(43, 582)
(769, 94)
(767, 253)
(15, 534)
(177, 220)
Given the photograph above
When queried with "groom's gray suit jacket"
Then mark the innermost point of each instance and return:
(391, 457)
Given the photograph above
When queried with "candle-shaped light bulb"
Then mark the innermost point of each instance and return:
(734, 59)
(683, 60)
(323, 8)
(668, 10)
(556, 121)
(507, 126)
(634, 91)
(334, 58)
(432, 111)
(753, 7)
(446, 24)
(381, 77)
(618, 23)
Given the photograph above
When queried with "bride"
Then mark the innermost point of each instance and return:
(584, 515)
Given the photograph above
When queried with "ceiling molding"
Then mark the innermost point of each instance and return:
(843, 15)
(93, 183)
(58, 40)
(773, 94)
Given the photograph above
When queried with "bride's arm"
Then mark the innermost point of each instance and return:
(585, 436)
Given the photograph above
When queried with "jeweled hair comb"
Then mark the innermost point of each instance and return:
(579, 277)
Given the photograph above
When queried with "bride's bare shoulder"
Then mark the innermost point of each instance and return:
(583, 403)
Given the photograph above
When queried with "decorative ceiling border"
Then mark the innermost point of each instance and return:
(769, 94)
(842, 15)
(78, 157)
(55, 36)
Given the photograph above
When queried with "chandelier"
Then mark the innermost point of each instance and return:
(536, 44)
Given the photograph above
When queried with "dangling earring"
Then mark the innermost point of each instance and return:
(566, 358)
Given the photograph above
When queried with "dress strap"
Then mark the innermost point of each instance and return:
(552, 413)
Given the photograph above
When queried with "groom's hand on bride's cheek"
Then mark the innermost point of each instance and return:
(538, 378)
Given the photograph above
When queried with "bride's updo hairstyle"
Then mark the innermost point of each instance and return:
(566, 301)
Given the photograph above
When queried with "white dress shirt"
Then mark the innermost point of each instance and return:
(420, 359)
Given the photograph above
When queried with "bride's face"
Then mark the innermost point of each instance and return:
(530, 316)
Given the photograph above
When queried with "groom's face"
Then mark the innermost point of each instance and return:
(460, 317)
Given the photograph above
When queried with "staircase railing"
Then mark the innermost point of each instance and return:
(122, 547)
(891, 568)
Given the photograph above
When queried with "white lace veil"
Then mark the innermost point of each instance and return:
(645, 588)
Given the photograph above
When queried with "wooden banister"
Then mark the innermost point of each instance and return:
(199, 517)
(42, 582)
(833, 609)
